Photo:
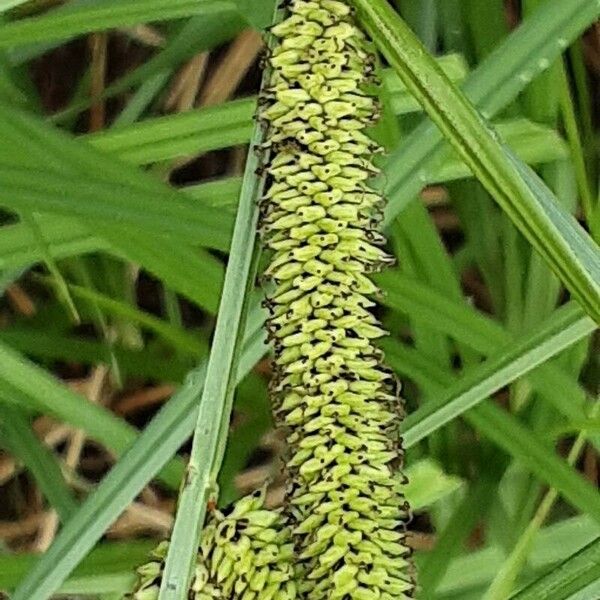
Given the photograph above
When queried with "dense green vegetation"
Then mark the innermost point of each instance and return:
(124, 126)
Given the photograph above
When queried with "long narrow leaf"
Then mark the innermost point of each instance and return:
(561, 331)
(524, 54)
(571, 254)
(160, 440)
(200, 483)
(180, 339)
(64, 236)
(497, 425)
(568, 578)
(144, 363)
(554, 544)
(45, 394)
(108, 560)
(505, 431)
(150, 453)
(484, 335)
(38, 459)
(196, 35)
(66, 22)
(170, 213)
(8, 4)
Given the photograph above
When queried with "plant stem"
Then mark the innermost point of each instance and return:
(210, 437)
(504, 582)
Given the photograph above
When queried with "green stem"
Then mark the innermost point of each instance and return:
(58, 281)
(504, 582)
(216, 403)
(574, 138)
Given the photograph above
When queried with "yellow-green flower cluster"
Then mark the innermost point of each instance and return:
(332, 392)
(245, 554)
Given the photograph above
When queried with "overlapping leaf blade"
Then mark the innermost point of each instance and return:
(553, 232)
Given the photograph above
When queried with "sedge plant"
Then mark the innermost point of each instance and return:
(499, 375)
(332, 393)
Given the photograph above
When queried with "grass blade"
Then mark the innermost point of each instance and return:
(499, 426)
(156, 445)
(47, 167)
(554, 544)
(504, 582)
(45, 394)
(71, 21)
(177, 337)
(498, 79)
(195, 35)
(144, 363)
(170, 213)
(62, 291)
(108, 560)
(8, 4)
(484, 335)
(171, 136)
(172, 267)
(64, 236)
(561, 331)
(452, 537)
(568, 578)
(567, 249)
(210, 436)
(505, 431)
(25, 445)
(144, 459)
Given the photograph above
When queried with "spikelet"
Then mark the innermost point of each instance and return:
(331, 391)
(244, 554)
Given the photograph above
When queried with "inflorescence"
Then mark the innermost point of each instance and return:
(245, 554)
(331, 390)
(341, 533)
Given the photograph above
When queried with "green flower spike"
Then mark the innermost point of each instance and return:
(245, 554)
(332, 393)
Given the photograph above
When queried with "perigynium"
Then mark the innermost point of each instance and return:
(331, 390)
(244, 554)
